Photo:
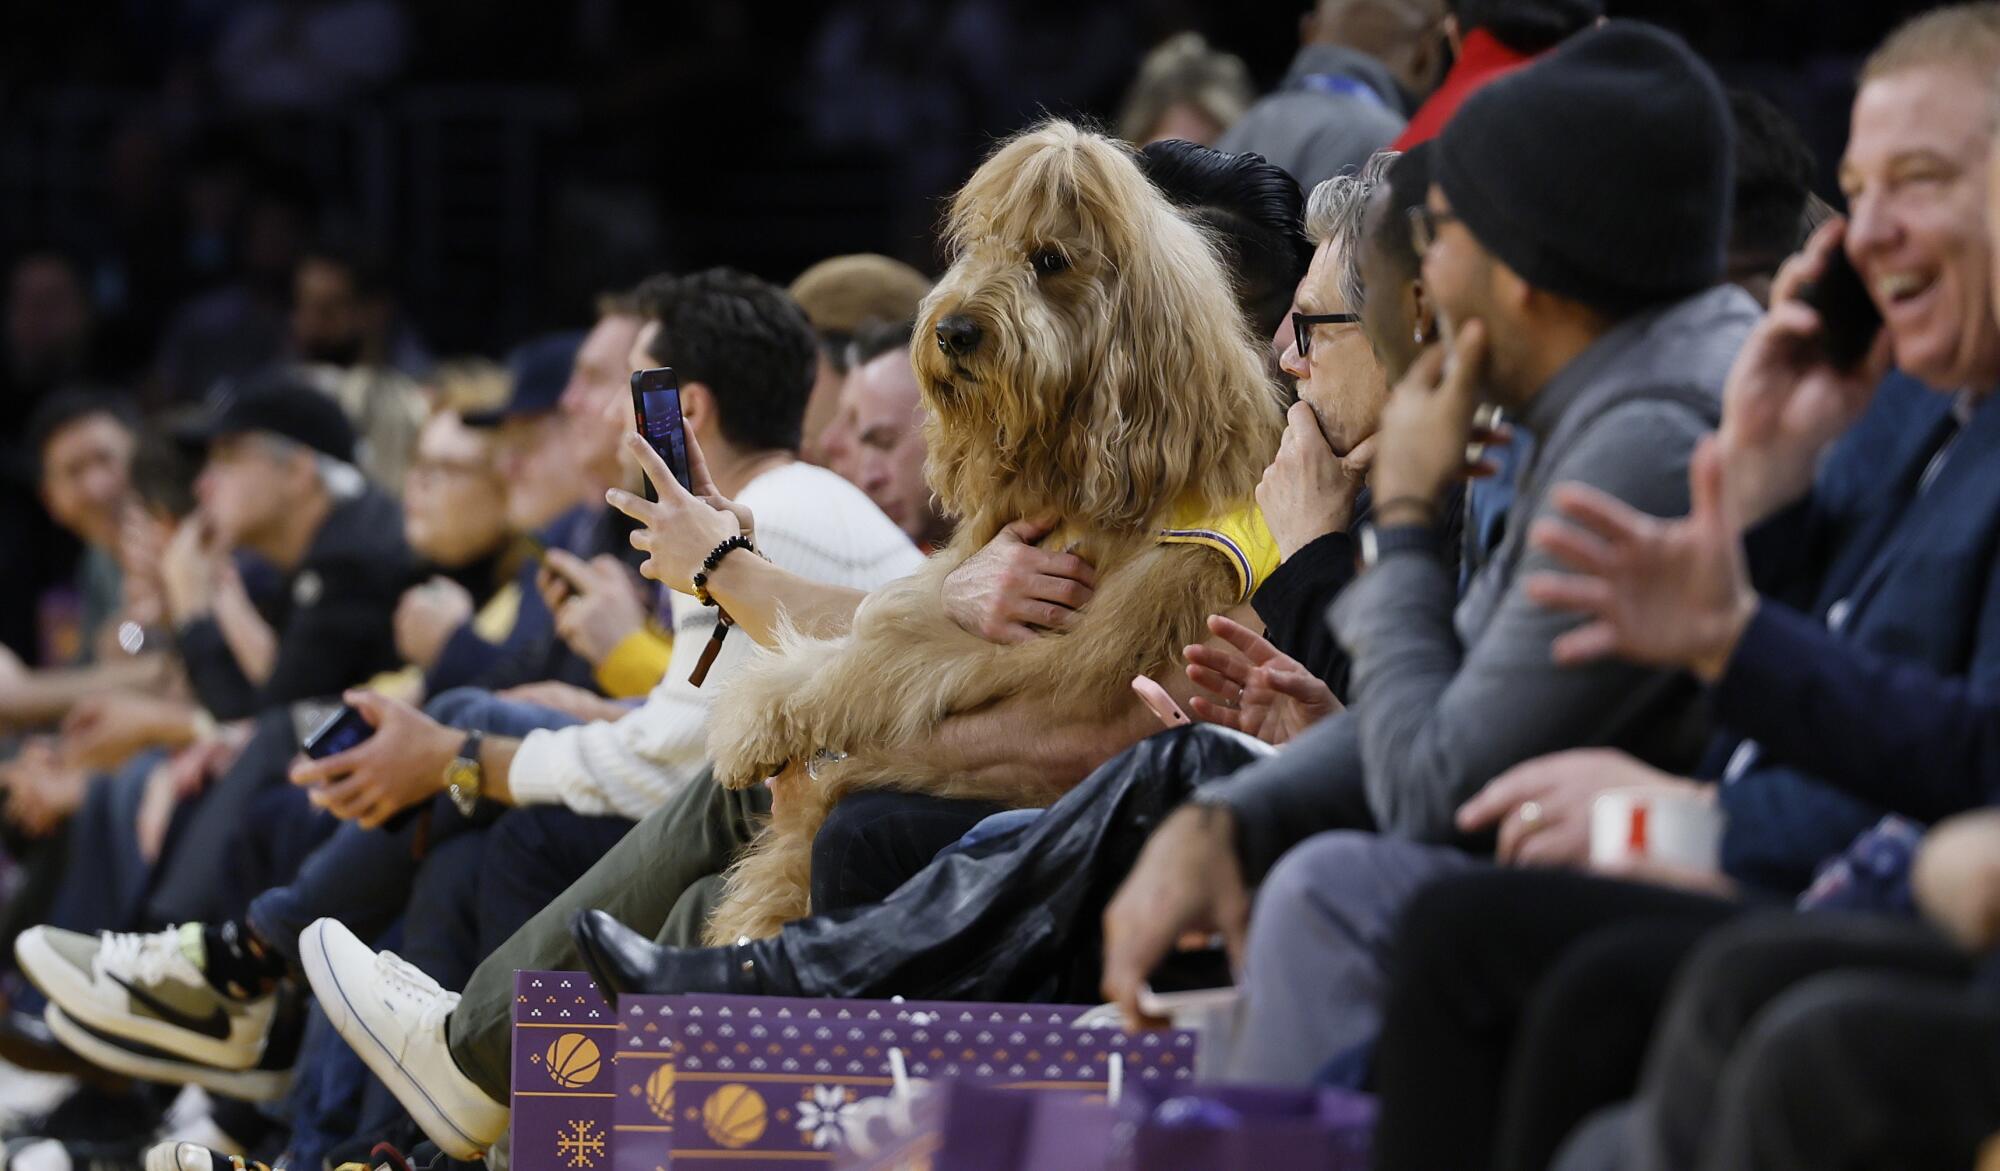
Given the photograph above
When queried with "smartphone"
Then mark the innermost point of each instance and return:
(338, 732)
(1847, 313)
(1155, 696)
(656, 404)
(1188, 980)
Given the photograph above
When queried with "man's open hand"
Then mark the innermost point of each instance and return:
(1252, 686)
(1013, 590)
(1671, 593)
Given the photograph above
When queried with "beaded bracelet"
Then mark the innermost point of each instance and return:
(714, 559)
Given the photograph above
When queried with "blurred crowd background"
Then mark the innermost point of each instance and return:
(191, 188)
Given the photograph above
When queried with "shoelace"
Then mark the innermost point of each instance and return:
(148, 959)
(411, 985)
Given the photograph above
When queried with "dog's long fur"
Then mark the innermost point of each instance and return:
(1105, 390)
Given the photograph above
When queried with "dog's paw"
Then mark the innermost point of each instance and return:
(750, 753)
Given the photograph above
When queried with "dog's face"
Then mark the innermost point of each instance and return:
(1083, 355)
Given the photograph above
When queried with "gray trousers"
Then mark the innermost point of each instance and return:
(1315, 981)
(662, 878)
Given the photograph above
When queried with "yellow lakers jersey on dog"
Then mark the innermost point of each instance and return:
(1241, 536)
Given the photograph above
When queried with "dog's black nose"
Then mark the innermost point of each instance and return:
(958, 335)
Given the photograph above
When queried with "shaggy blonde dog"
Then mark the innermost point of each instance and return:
(1083, 358)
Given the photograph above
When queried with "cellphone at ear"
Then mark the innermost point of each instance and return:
(1849, 319)
(1155, 697)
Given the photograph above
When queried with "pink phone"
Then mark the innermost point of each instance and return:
(1155, 696)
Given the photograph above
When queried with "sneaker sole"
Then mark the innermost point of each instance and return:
(340, 1013)
(75, 992)
(249, 1085)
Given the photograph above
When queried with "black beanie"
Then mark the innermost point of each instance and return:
(1602, 172)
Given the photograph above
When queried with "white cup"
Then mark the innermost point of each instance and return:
(1649, 825)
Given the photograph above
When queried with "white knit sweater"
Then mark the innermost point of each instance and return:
(809, 521)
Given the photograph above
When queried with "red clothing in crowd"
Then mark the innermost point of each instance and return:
(1481, 59)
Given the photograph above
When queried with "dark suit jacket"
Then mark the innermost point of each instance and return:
(1915, 575)
(1889, 731)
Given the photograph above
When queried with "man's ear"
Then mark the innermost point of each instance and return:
(698, 410)
(1454, 35)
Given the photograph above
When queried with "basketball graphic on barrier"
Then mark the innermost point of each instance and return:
(573, 1061)
(660, 1093)
(734, 1115)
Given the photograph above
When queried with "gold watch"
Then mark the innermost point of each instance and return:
(464, 776)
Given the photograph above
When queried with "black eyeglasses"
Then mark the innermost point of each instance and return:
(1424, 225)
(1302, 326)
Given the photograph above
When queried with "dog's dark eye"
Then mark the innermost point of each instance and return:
(1049, 262)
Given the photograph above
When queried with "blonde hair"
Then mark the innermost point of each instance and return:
(1183, 70)
(1965, 36)
(467, 386)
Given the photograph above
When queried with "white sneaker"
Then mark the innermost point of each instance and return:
(394, 1016)
(146, 989)
(189, 1156)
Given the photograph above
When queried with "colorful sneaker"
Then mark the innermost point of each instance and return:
(147, 989)
(393, 1016)
(268, 1081)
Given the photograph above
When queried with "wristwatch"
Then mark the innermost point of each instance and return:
(464, 776)
(1377, 543)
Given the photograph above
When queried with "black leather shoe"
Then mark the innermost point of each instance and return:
(623, 961)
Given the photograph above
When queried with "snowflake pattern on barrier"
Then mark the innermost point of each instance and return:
(827, 1117)
(582, 1144)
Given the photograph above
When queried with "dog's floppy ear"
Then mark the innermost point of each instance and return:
(1179, 407)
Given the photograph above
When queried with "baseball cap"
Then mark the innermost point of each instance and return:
(539, 370)
(277, 402)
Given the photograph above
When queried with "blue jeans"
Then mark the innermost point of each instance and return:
(362, 877)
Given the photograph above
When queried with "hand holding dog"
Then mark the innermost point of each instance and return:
(1012, 590)
(1308, 491)
(680, 529)
(1420, 448)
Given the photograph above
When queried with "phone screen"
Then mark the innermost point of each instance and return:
(339, 732)
(1191, 971)
(656, 402)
